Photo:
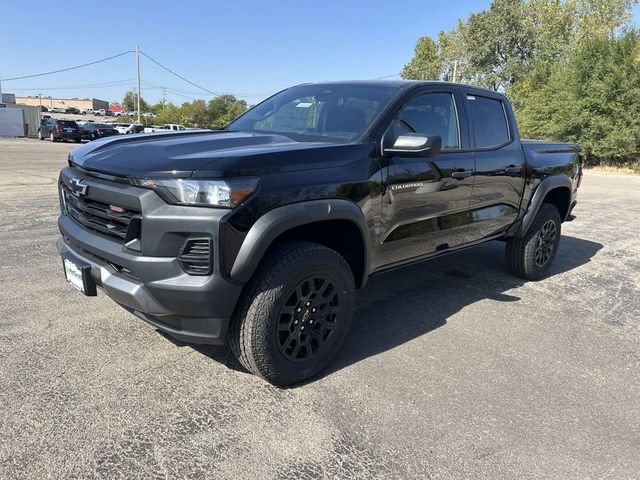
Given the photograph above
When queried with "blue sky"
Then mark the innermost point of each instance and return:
(248, 48)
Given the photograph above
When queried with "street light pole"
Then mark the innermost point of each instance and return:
(138, 68)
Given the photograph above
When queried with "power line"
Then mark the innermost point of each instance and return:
(115, 83)
(67, 69)
(388, 76)
(180, 76)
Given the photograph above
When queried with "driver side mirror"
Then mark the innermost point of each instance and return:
(415, 145)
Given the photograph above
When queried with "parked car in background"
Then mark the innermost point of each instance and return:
(55, 130)
(57, 110)
(135, 128)
(72, 110)
(121, 127)
(174, 127)
(92, 130)
(100, 112)
(44, 109)
(149, 115)
(87, 111)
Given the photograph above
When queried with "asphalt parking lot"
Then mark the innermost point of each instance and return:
(453, 368)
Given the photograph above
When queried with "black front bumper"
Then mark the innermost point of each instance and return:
(150, 282)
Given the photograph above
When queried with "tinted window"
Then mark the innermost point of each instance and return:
(433, 114)
(68, 124)
(339, 111)
(489, 121)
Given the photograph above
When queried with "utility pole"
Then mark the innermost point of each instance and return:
(455, 69)
(138, 67)
(40, 99)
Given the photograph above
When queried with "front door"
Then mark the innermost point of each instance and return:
(426, 200)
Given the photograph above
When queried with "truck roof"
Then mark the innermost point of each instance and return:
(403, 84)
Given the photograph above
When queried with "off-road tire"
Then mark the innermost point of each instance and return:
(254, 335)
(523, 254)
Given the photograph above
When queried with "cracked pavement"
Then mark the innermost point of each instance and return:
(453, 368)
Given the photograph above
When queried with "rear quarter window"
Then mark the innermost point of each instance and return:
(489, 121)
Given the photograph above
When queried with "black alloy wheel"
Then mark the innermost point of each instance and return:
(546, 241)
(308, 317)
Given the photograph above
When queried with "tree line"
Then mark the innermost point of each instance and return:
(571, 68)
(199, 113)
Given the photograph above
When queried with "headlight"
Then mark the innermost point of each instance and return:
(202, 193)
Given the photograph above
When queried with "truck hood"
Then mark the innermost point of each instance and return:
(213, 154)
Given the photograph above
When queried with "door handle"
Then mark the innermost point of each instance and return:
(460, 174)
(513, 169)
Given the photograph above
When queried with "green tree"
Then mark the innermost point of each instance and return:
(225, 108)
(130, 102)
(592, 99)
(426, 63)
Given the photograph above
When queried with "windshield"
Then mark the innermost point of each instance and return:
(327, 111)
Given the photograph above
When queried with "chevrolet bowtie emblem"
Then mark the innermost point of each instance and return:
(78, 187)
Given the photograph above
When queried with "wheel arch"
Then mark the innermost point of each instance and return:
(335, 223)
(555, 190)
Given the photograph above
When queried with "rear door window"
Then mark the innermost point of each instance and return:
(489, 121)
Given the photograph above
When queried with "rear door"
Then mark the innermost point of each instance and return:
(426, 200)
(499, 165)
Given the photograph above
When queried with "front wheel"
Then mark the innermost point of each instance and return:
(531, 256)
(40, 136)
(294, 313)
(52, 137)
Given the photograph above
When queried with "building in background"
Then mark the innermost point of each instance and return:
(8, 98)
(50, 102)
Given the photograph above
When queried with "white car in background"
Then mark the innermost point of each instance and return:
(166, 127)
(121, 127)
(57, 110)
(173, 126)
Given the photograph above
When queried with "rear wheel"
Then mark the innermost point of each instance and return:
(531, 256)
(52, 137)
(40, 136)
(294, 314)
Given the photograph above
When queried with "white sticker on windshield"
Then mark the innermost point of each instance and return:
(304, 105)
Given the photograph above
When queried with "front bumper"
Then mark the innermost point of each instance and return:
(151, 282)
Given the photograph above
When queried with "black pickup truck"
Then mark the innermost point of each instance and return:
(259, 234)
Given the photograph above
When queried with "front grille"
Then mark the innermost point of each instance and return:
(196, 256)
(104, 218)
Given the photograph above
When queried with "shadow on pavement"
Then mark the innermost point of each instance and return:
(403, 304)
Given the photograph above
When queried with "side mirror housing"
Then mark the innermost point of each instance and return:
(415, 145)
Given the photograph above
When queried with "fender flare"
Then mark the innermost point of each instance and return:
(548, 184)
(279, 220)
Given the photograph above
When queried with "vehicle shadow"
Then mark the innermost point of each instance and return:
(403, 304)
